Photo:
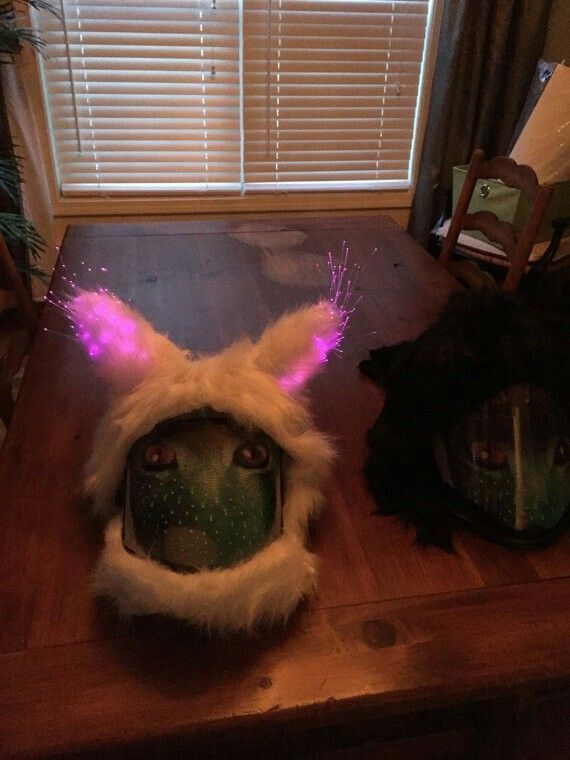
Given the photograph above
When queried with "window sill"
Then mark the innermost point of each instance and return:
(232, 204)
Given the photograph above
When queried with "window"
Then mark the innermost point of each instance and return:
(223, 96)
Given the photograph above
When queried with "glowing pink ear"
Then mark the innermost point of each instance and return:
(116, 338)
(295, 347)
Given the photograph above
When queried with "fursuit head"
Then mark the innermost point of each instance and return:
(475, 428)
(207, 468)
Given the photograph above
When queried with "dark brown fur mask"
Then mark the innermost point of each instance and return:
(481, 344)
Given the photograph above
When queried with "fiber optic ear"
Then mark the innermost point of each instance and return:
(295, 347)
(122, 344)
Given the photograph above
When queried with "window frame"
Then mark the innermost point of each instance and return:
(169, 204)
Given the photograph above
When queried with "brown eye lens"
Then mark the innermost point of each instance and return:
(489, 456)
(159, 457)
(251, 456)
(562, 451)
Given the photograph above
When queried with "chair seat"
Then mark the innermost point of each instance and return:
(484, 251)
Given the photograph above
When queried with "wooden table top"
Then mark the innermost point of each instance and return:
(394, 627)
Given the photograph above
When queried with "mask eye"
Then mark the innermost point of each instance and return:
(562, 451)
(251, 456)
(488, 456)
(159, 457)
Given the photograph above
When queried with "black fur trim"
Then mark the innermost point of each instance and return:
(481, 343)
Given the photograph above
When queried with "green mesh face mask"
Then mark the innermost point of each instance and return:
(202, 493)
(510, 459)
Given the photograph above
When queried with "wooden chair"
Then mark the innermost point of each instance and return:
(20, 338)
(517, 246)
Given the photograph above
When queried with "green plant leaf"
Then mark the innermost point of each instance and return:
(11, 177)
(12, 37)
(15, 226)
(39, 5)
(19, 228)
(33, 270)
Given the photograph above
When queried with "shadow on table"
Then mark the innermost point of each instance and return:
(176, 659)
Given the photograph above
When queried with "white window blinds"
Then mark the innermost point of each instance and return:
(331, 90)
(145, 94)
(224, 96)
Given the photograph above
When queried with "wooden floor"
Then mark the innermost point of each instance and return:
(404, 648)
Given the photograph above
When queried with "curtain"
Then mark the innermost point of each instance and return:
(488, 51)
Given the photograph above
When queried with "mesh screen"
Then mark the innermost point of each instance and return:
(511, 457)
(202, 492)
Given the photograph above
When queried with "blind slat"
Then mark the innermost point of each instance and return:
(153, 94)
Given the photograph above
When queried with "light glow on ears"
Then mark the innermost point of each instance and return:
(343, 281)
(339, 306)
(111, 332)
(328, 339)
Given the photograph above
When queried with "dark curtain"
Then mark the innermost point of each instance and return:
(488, 51)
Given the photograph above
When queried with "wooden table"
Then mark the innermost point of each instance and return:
(406, 652)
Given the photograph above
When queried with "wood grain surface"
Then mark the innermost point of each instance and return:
(396, 629)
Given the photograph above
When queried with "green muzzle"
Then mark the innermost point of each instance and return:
(202, 493)
(510, 460)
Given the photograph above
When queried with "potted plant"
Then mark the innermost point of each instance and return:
(22, 239)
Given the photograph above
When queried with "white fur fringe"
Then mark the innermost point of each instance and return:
(257, 384)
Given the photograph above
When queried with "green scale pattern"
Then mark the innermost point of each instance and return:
(525, 482)
(205, 505)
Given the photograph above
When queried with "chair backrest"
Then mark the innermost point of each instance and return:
(517, 247)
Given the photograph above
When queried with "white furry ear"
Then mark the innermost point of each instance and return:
(297, 345)
(122, 344)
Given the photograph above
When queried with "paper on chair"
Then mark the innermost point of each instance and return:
(544, 143)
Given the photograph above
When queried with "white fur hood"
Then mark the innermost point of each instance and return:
(258, 384)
